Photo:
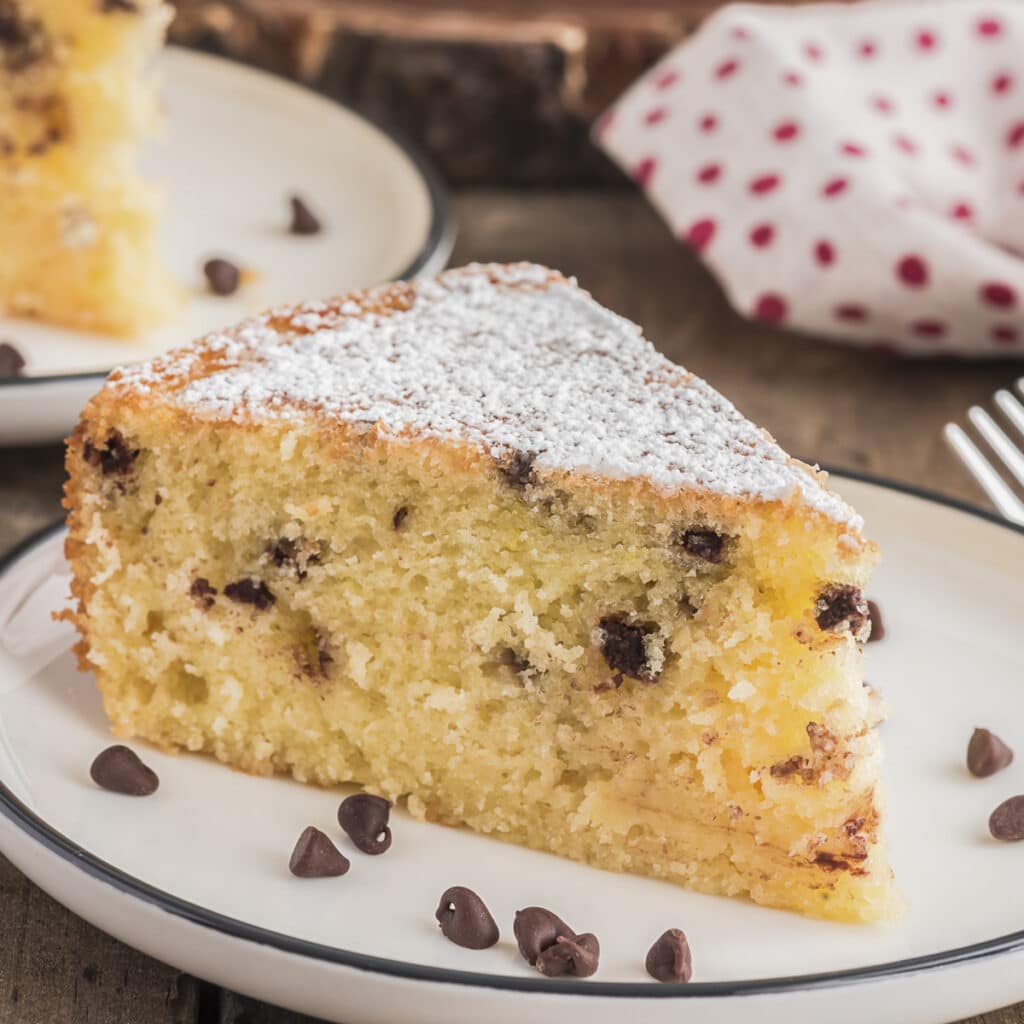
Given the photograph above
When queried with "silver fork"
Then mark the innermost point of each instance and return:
(1002, 495)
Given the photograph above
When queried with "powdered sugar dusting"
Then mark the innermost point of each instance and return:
(513, 359)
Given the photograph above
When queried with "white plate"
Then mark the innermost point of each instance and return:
(197, 875)
(237, 142)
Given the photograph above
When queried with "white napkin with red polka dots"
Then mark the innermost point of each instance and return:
(852, 170)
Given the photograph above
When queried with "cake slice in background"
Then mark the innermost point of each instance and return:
(79, 223)
(472, 542)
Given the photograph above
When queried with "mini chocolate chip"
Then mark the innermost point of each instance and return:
(315, 856)
(987, 754)
(304, 221)
(119, 769)
(517, 469)
(465, 919)
(115, 458)
(669, 959)
(12, 362)
(297, 555)
(203, 592)
(877, 623)
(1007, 821)
(365, 819)
(703, 544)
(624, 647)
(249, 590)
(576, 955)
(399, 517)
(840, 604)
(223, 276)
(536, 929)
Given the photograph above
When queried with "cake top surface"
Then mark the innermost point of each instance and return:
(510, 358)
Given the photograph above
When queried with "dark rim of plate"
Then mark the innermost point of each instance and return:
(440, 234)
(13, 809)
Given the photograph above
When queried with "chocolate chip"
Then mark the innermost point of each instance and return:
(399, 517)
(249, 590)
(118, 7)
(1007, 821)
(576, 955)
(704, 544)
(115, 458)
(536, 929)
(23, 41)
(222, 276)
(304, 221)
(877, 624)
(624, 647)
(465, 919)
(517, 469)
(987, 754)
(365, 819)
(202, 592)
(841, 604)
(12, 362)
(119, 769)
(512, 659)
(297, 555)
(669, 959)
(315, 856)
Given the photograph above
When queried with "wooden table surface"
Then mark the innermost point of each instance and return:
(823, 402)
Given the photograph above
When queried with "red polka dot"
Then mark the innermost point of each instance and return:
(666, 79)
(961, 211)
(928, 328)
(771, 308)
(926, 40)
(708, 123)
(764, 183)
(853, 149)
(739, 32)
(727, 68)
(655, 115)
(942, 99)
(709, 173)
(905, 144)
(786, 131)
(867, 48)
(1002, 82)
(851, 312)
(996, 293)
(762, 235)
(962, 155)
(814, 52)
(700, 233)
(1015, 134)
(834, 187)
(912, 271)
(824, 253)
(989, 28)
(793, 78)
(644, 171)
(1005, 334)
(882, 104)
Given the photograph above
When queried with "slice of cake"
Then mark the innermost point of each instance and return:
(473, 543)
(79, 224)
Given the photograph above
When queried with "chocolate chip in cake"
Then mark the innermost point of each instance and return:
(536, 929)
(304, 221)
(511, 658)
(202, 592)
(877, 623)
(365, 820)
(517, 469)
(297, 555)
(118, 7)
(23, 41)
(575, 955)
(669, 959)
(399, 517)
(222, 275)
(703, 544)
(1007, 820)
(841, 605)
(315, 856)
(119, 769)
(250, 590)
(987, 754)
(115, 458)
(12, 362)
(625, 649)
(465, 919)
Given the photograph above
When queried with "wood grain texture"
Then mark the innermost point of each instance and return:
(823, 402)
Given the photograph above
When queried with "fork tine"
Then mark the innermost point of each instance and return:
(999, 442)
(1008, 504)
(1011, 407)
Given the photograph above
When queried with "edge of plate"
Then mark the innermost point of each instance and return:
(432, 256)
(21, 817)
